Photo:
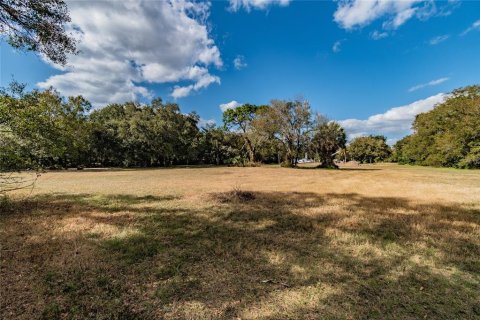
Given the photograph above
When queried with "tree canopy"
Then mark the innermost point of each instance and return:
(329, 138)
(240, 119)
(448, 135)
(290, 123)
(38, 25)
(369, 149)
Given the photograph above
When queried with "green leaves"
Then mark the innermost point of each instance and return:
(34, 25)
(33, 125)
(328, 139)
(369, 149)
(150, 135)
(448, 135)
(240, 117)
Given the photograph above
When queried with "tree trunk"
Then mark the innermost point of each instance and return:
(250, 150)
(328, 162)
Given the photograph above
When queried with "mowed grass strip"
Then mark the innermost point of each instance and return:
(377, 242)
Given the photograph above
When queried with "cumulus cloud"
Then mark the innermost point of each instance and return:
(438, 39)
(395, 123)
(239, 62)
(125, 44)
(229, 105)
(248, 5)
(428, 84)
(352, 14)
(474, 26)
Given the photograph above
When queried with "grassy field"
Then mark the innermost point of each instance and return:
(370, 241)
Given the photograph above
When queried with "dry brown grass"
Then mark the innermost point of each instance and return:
(379, 241)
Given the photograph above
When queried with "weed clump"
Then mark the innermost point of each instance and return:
(235, 195)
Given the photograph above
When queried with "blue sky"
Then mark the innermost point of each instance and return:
(370, 64)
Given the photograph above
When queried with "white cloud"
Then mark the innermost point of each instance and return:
(352, 14)
(229, 105)
(359, 13)
(239, 62)
(474, 26)
(428, 84)
(202, 123)
(438, 39)
(377, 35)
(395, 123)
(400, 18)
(125, 44)
(337, 46)
(248, 5)
(203, 82)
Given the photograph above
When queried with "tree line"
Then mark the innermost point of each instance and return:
(41, 129)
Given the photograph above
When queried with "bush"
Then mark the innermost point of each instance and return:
(286, 164)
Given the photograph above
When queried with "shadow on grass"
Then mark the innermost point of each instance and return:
(272, 256)
(340, 168)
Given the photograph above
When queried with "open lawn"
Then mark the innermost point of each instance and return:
(370, 241)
